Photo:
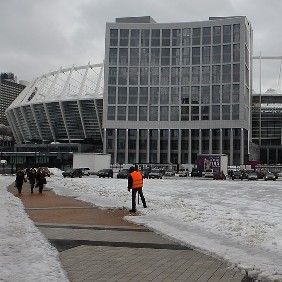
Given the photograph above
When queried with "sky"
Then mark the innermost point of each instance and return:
(37, 36)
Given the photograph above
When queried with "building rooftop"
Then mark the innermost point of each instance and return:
(143, 19)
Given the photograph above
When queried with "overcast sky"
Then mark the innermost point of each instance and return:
(37, 36)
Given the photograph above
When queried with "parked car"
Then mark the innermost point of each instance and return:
(209, 173)
(145, 172)
(170, 173)
(156, 173)
(252, 176)
(85, 171)
(105, 173)
(73, 173)
(45, 171)
(219, 175)
(270, 176)
(196, 173)
(123, 173)
(183, 173)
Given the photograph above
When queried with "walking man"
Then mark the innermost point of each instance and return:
(135, 182)
(31, 177)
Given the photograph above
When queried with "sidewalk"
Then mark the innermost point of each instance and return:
(98, 245)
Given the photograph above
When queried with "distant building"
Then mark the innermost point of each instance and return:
(9, 91)
(176, 90)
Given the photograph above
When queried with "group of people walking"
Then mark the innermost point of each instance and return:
(36, 178)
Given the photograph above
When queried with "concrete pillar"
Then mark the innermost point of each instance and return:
(126, 147)
(148, 145)
(210, 142)
(168, 148)
(189, 148)
(137, 146)
(105, 141)
(220, 141)
(179, 146)
(158, 146)
(231, 146)
(200, 141)
(115, 146)
(242, 151)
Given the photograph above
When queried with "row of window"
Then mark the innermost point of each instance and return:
(174, 56)
(174, 95)
(175, 37)
(174, 75)
(173, 113)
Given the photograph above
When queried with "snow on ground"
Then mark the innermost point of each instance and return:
(240, 221)
(25, 254)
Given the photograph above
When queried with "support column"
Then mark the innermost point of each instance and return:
(126, 147)
(168, 148)
(242, 151)
(231, 146)
(189, 148)
(200, 141)
(105, 141)
(159, 146)
(137, 145)
(220, 141)
(210, 142)
(148, 145)
(179, 146)
(115, 146)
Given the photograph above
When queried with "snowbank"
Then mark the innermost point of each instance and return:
(25, 254)
(55, 171)
(239, 221)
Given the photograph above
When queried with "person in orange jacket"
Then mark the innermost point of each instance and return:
(135, 183)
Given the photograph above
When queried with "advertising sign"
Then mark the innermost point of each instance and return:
(206, 162)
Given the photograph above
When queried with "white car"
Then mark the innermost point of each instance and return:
(209, 173)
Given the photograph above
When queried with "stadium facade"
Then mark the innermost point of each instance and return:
(176, 90)
(63, 106)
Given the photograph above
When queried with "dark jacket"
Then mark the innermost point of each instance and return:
(20, 178)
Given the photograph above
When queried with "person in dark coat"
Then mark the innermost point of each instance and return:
(40, 180)
(31, 175)
(20, 179)
(135, 183)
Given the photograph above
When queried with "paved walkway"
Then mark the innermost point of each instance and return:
(98, 245)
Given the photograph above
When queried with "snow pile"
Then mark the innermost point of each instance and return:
(55, 171)
(25, 254)
(239, 221)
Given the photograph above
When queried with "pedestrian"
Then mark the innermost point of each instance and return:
(40, 180)
(31, 175)
(20, 179)
(135, 183)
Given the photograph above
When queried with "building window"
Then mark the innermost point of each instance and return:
(184, 113)
(216, 54)
(155, 56)
(111, 95)
(134, 56)
(185, 95)
(153, 113)
(165, 76)
(155, 40)
(206, 55)
(112, 76)
(236, 33)
(121, 114)
(235, 112)
(165, 37)
(205, 74)
(195, 55)
(206, 35)
(111, 112)
(205, 112)
(122, 76)
(216, 34)
(195, 95)
(164, 113)
(205, 94)
(143, 113)
(144, 61)
(113, 37)
(174, 113)
(236, 52)
(226, 73)
(133, 95)
(164, 95)
(226, 112)
(215, 94)
(176, 35)
(122, 95)
(226, 93)
(196, 39)
(165, 57)
(143, 95)
(145, 37)
(216, 74)
(236, 73)
(175, 76)
(226, 33)
(185, 76)
(186, 36)
(133, 76)
(154, 77)
(215, 112)
(144, 76)
(113, 56)
(132, 113)
(194, 113)
(174, 95)
(196, 75)
(175, 56)
(154, 95)
(227, 53)
(134, 37)
(123, 40)
(186, 56)
(235, 93)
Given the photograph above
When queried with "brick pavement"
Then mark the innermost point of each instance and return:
(98, 245)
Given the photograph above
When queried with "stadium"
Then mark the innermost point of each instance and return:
(62, 106)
